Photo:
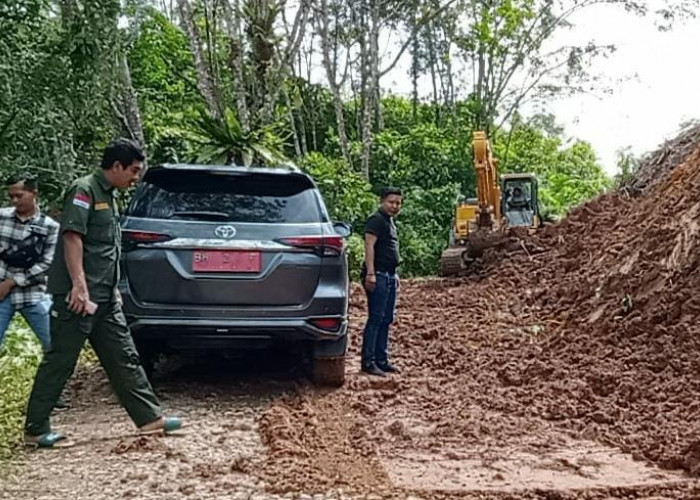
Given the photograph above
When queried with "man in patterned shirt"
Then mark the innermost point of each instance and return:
(27, 244)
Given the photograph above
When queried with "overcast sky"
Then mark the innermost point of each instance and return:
(655, 77)
(659, 87)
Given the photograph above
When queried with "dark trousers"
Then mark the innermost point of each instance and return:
(381, 303)
(109, 336)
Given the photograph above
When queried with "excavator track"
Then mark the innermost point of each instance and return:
(452, 261)
(456, 259)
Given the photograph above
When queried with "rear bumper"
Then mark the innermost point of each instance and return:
(191, 326)
(191, 333)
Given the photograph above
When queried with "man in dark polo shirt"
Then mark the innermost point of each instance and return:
(381, 282)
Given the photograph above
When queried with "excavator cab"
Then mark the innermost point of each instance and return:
(519, 205)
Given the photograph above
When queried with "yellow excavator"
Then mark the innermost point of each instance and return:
(482, 222)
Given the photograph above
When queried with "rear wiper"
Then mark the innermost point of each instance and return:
(201, 215)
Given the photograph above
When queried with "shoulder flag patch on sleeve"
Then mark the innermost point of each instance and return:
(82, 200)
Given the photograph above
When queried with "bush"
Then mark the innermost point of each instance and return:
(423, 227)
(348, 197)
(347, 194)
(356, 255)
(427, 157)
(19, 358)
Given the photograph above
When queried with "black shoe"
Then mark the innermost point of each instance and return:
(372, 369)
(388, 368)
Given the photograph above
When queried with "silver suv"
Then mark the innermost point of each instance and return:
(221, 257)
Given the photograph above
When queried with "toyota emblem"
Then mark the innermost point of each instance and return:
(225, 231)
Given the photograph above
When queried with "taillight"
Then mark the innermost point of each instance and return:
(134, 236)
(330, 324)
(326, 245)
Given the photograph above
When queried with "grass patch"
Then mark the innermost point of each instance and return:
(19, 358)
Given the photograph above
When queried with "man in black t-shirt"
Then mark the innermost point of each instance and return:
(381, 282)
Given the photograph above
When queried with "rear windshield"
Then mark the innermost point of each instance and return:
(231, 197)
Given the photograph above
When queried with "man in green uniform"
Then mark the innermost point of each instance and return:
(86, 303)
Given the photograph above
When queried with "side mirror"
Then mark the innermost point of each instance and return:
(342, 228)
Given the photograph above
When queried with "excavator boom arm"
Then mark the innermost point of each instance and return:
(487, 188)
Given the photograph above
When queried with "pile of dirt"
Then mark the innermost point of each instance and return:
(654, 167)
(588, 331)
(620, 278)
(302, 430)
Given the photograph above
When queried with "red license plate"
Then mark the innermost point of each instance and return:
(226, 261)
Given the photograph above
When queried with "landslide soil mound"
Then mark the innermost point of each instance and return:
(620, 277)
(656, 166)
(587, 330)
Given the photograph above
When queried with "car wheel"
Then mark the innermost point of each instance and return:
(329, 371)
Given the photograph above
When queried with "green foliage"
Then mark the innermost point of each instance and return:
(575, 178)
(56, 87)
(347, 194)
(568, 174)
(163, 72)
(627, 166)
(58, 90)
(348, 197)
(432, 165)
(19, 358)
(423, 226)
(424, 156)
(223, 141)
(356, 255)
(512, 47)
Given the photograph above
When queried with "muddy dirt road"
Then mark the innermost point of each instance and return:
(450, 426)
(213, 458)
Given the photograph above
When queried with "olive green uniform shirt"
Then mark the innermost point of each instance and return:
(90, 209)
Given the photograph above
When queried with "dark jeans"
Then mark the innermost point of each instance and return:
(381, 302)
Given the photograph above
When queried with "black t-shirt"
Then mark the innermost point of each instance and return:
(386, 249)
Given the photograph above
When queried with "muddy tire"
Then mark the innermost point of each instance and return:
(329, 372)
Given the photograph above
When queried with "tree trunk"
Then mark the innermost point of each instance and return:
(480, 91)
(451, 85)
(370, 77)
(323, 22)
(204, 80)
(233, 30)
(129, 113)
(302, 136)
(314, 123)
(292, 123)
(415, 70)
(311, 104)
(364, 97)
(377, 95)
(431, 61)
